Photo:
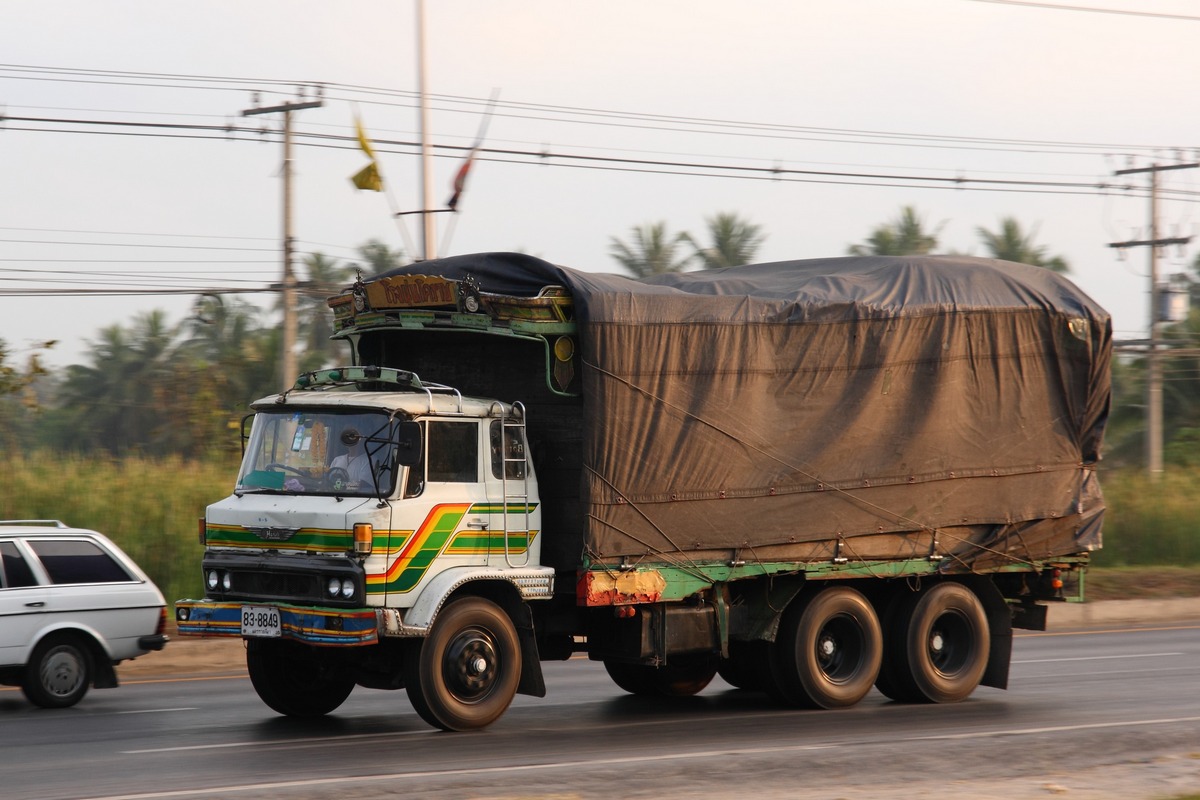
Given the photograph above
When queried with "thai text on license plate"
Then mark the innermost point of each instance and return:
(260, 621)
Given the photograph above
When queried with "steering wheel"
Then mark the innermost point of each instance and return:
(337, 479)
(286, 468)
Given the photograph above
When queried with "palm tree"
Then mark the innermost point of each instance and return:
(653, 251)
(735, 242)
(378, 258)
(325, 277)
(904, 237)
(1013, 244)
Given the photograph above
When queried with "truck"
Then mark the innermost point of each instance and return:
(810, 477)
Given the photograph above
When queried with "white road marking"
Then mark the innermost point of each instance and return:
(1093, 658)
(159, 710)
(342, 781)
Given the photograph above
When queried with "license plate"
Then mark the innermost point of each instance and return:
(260, 621)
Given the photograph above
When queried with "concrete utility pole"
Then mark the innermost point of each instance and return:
(287, 365)
(1154, 373)
(428, 221)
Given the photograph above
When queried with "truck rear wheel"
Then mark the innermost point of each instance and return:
(295, 681)
(683, 676)
(828, 651)
(465, 673)
(938, 646)
(742, 669)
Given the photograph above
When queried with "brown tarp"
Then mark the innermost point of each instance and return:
(874, 407)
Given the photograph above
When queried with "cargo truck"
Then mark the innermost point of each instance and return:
(809, 477)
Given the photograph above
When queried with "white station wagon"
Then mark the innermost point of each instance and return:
(72, 606)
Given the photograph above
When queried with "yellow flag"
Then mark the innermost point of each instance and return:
(368, 178)
(363, 141)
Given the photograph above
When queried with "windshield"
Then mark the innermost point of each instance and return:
(319, 451)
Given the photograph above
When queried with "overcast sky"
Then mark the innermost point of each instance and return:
(614, 114)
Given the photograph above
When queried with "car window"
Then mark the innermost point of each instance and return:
(15, 572)
(77, 561)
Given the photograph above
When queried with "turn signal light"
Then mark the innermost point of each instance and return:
(364, 538)
(1056, 579)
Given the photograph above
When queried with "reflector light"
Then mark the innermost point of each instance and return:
(364, 538)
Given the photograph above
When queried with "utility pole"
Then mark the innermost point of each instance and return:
(1154, 372)
(428, 221)
(287, 287)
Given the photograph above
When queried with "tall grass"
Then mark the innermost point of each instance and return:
(1151, 522)
(150, 507)
(147, 506)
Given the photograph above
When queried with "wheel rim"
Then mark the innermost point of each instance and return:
(471, 667)
(839, 649)
(62, 672)
(949, 643)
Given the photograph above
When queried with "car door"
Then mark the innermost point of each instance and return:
(23, 603)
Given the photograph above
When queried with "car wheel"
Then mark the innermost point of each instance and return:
(59, 672)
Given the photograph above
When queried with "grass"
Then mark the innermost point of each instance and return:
(150, 507)
(147, 506)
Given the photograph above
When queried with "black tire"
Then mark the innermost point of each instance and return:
(941, 645)
(633, 678)
(294, 679)
(891, 682)
(682, 676)
(742, 669)
(465, 673)
(59, 671)
(829, 649)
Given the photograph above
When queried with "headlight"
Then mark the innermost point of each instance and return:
(334, 587)
(213, 579)
(226, 581)
(347, 588)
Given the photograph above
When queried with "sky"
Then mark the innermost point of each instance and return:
(126, 164)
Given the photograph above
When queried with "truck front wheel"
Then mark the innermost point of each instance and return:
(294, 680)
(466, 672)
(829, 649)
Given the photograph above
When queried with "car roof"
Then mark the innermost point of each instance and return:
(41, 527)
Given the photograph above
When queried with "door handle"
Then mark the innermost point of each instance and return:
(38, 604)
(478, 524)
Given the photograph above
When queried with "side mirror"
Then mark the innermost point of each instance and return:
(408, 444)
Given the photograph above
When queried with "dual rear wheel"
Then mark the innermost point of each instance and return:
(931, 646)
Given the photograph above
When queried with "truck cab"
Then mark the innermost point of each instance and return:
(365, 498)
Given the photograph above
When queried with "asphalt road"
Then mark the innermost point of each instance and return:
(1093, 714)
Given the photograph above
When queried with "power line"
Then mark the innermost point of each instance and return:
(1091, 9)
(654, 166)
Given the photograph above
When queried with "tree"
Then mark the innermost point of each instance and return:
(19, 396)
(653, 251)
(325, 277)
(906, 236)
(735, 242)
(378, 258)
(1010, 243)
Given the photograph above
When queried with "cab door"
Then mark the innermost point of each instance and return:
(444, 518)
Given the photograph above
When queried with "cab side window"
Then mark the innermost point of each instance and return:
(453, 452)
(78, 562)
(16, 572)
(508, 452)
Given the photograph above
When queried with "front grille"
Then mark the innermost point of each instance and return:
(289, 578)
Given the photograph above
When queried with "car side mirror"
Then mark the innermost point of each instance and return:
(408, 444)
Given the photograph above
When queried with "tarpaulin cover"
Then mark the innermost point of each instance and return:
(866, 407)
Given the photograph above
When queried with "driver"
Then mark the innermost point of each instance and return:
(354, 460)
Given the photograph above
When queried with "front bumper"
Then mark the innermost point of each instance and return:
(307, 624)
